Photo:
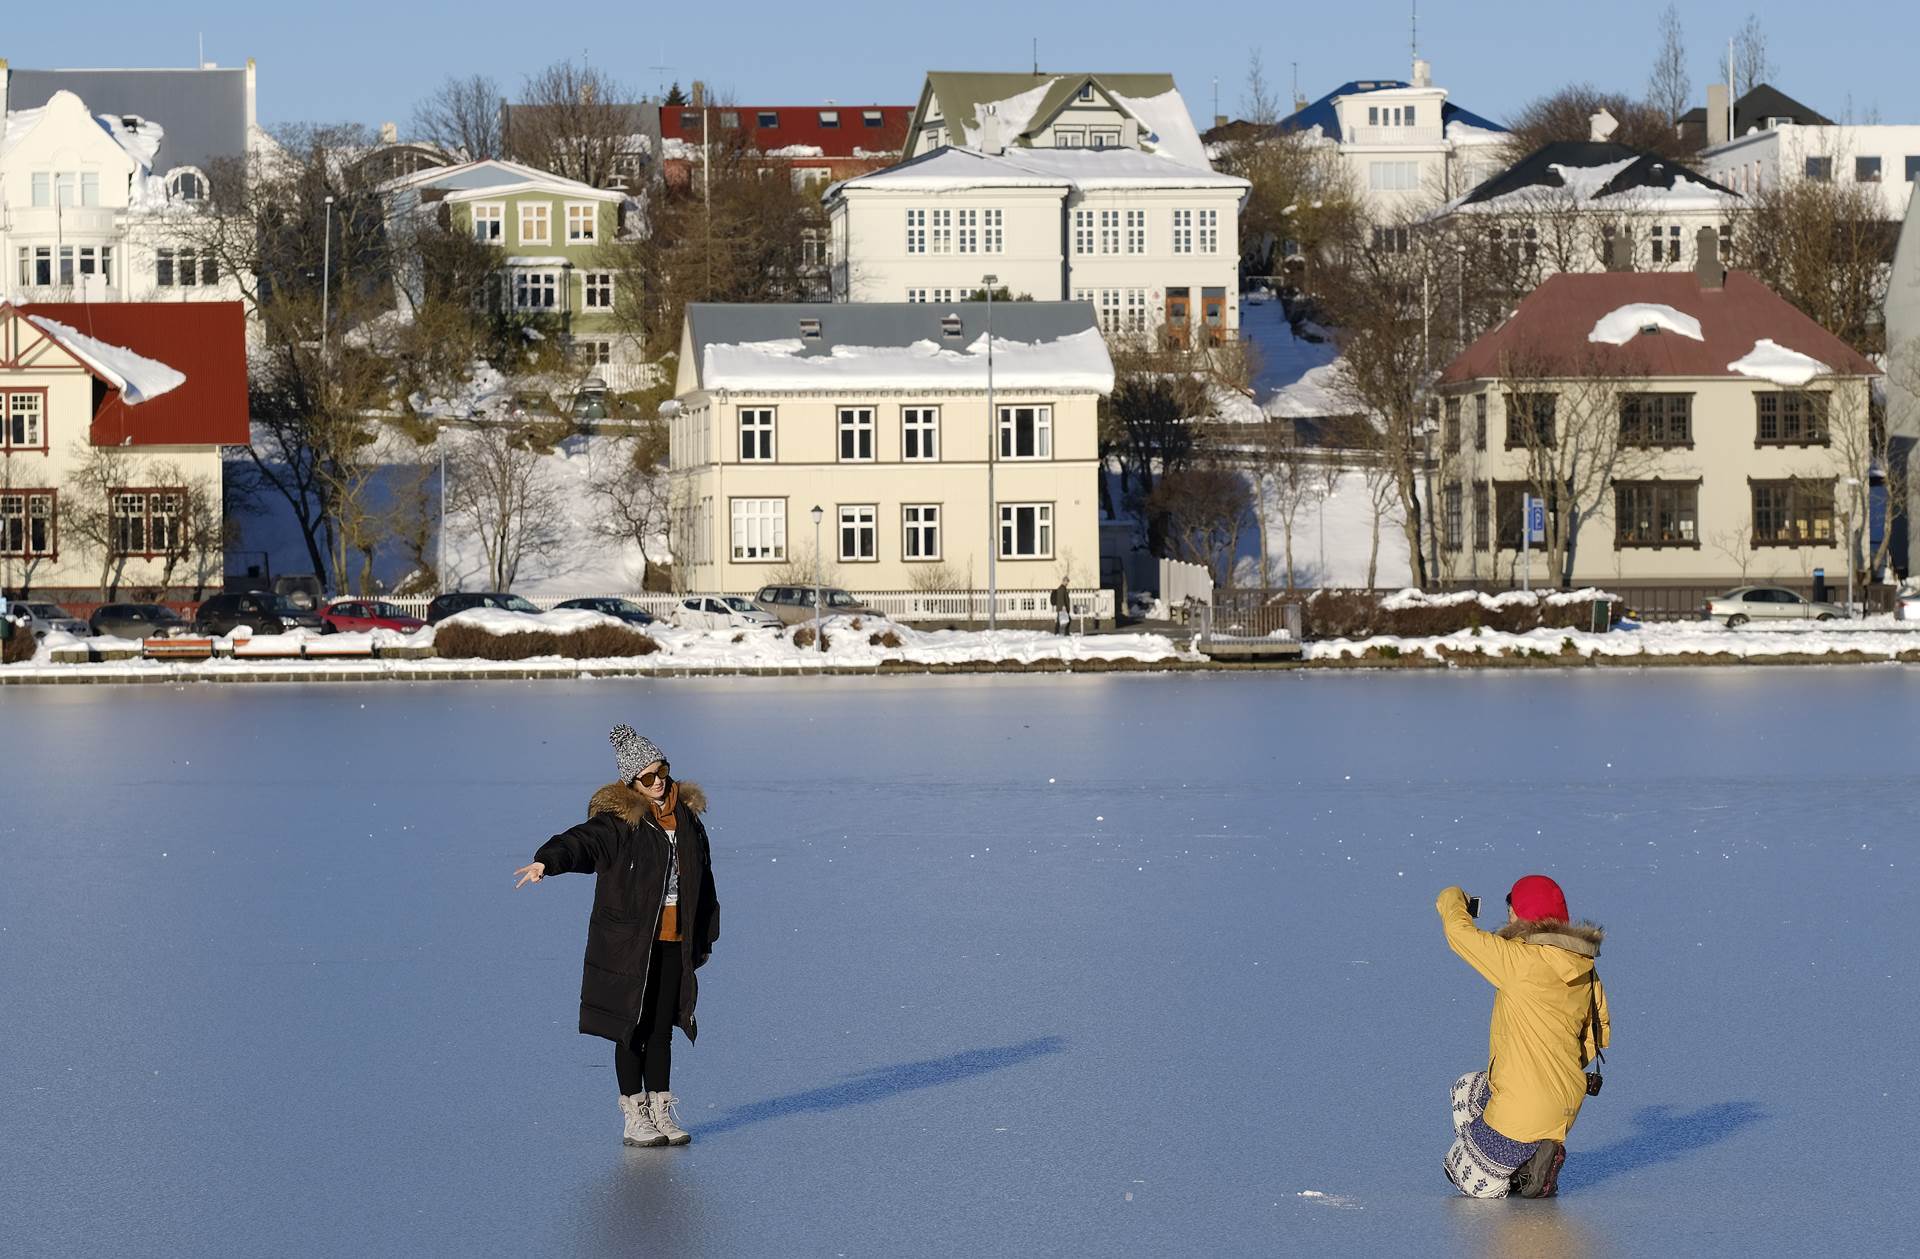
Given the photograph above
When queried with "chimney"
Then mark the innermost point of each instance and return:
(1422, 72)
(1299, 102)
(1706, 259)
(699, 97)
(1620, 252)
(1716, 114)
(1601, 125)
(1219, 120)
(389, 133)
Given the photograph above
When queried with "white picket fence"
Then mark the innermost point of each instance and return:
(1094, 604)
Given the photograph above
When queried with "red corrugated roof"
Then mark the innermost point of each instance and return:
(796, 124)
(204, 341)
(1552, 323)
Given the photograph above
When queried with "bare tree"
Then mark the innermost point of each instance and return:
(502, 489)
(1568, 115)
(87, 515)
(462, 116)
(1669, 87)
(1751, 64)
(1303, 197)
(1207, 509)
(1284, 480)
(630, 488)
(574, 120)
(1823, 245)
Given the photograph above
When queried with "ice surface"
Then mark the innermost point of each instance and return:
(1624, 323)
(280, 999)
(1769, 360)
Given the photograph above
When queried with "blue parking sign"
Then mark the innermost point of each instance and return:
(1536, 519)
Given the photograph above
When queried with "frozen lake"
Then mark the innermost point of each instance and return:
(1056, 965)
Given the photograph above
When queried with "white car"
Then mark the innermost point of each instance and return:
(1767, 603)
(720, 612)
(1906, 604)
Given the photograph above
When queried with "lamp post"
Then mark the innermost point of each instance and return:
(993, 439)
(1853, 483)
(440, 556)
(326, 275)
(817, 514)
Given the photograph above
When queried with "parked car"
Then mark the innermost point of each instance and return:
(358, 615)
(720, 612)
(45, 618)
(1767, 603)
(466, 600)
(1906, 604)
(259, 610)
(794, 604)
(136, 620)
(626, 609)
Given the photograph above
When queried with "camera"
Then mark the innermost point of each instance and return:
(1593, 1084)
(1473, 906)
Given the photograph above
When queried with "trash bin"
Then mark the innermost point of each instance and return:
(1602, 615)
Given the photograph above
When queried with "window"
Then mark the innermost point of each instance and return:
(1792, 512)
(1136, 310)
(1480, 421)
(730, 119)
(929, 295)
(536, 223)
(1481, 533)
(1069, 138)
(593, 351)
(582, 223)
(1392, 240)
(690, 120)
(870, 118)
(995, 231)
(766, 120)
(1109, 307)
(42, 188)
(857, 533)
(1450, 426)
(1507, 496)
(1666, 248)
(184, 184)
(1026, 531)
(599, 290)
(829, 118)
(1913, 167)
(1453, 536)
(856, 434)
(916, 231)
(1183, 231)
(1109, 231)
(1409, 116)
(1790, 419)
(1209, 229)
(1103, 137)
(1026, 432)
(183, 268)
(969, 231)
(147, 523)
(490, 224)
(26, 420)
(1083, 231)
(921, 526)
(942, 237)
(1086, 91)
(1393, 176)
(1373, 115)
(759, 529)
(1136, 231)
(1866, 170)
(919, 433)
(536, 290)
(1656, 513)
(1820, 169)
(756, 434)
(36, 265)
(28, 523)
(1525, 408)
(1656, 419)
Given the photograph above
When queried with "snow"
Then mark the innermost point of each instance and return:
(138, 378)
(309, 918)
(1315, 393)
(1583, 184)
(797, 150)
(1169, 129)
(999, 125)
(1769, 360)
(1332, 535)
(1623, 324)
(1076, 361)
(961, 169)
(1284, 359)
(1467, 133)
(1877, 638)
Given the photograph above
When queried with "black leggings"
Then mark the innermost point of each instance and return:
(644, 1061)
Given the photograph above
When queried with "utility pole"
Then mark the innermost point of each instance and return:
(326, 277)
(993, 438)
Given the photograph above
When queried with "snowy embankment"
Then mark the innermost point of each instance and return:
(1873, 638)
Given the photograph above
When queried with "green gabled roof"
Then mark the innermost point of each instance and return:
(960, 93)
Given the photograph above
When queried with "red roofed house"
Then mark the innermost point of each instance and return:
(112, 416)
(817, 144)
(1686, 429)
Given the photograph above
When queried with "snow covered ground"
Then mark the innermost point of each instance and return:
(1063, 966)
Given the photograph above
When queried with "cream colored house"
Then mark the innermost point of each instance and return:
(878, 415)
(1686, 429)
(996, 112)
(1151, 243)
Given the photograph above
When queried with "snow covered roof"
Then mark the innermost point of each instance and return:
(894, 346)
(992, 111)
(1323, 114)
(136, 376)
(498, 177)
(1591, 172)
(1742, 328)
(951, 169)
(206, 112)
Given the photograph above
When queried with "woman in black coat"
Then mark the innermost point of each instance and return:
(655, 919)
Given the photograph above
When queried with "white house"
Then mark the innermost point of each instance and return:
(1887, 158)
(1152, 243)
(994, 112)
(878, 415)
(1404, 142)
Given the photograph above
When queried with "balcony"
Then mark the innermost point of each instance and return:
(1396, 135)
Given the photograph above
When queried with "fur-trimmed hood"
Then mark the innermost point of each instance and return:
(1581, 938)
(624, 802)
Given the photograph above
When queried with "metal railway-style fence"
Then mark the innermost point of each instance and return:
(936, 607)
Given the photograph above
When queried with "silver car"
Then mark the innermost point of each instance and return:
(1767, 603)
(794, 604)
(44, 618)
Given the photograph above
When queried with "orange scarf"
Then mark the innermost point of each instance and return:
(666, 810)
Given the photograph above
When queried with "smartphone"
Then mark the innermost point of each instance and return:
(1473, 906)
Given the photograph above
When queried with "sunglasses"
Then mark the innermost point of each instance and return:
(654, 777)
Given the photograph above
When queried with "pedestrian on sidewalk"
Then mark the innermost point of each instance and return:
(654, 922)
(1550, 1020)
(1062, 600)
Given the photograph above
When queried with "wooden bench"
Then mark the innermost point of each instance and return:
(177, 648)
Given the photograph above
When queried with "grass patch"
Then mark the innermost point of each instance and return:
(806, 636)
(883, 638)
(466, 642)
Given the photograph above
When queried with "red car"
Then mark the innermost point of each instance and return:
(357, 615)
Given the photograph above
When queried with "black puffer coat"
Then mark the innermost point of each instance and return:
(623, 845)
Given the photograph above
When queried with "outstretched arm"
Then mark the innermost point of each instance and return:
(577, 849)
(1487, 953)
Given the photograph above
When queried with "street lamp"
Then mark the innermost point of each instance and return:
(993, 438)
(326, 275)
(817, 514)
(440, 556)
(1853, 483)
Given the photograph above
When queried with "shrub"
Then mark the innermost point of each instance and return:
(19, 647)
(805, 636)
(467, 642)
(741, 637)
(1361, 614)
(883, 638)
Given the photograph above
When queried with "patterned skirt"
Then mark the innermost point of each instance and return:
(1481, 1162)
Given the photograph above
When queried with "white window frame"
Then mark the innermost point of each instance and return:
(1136, 231)
(994, 239)
(596, 290)
(493, 215)
(583, 214)
(940, 235)
(1042, 526)
(25, 410)
(1209, 230)
(920, 427)
(1083, 231)
(1183, 231)
(1136, 320)
(529, 283)
(759, 532)
(857, 423)
(916, 231)
(967, 239)
(1042, 431)
(1109, 231)
(920, 533)
(538, 214)
(757, 435)
(1395, 176)
(916, 295)
(863, 519)
(594, 351)
(1109, 308)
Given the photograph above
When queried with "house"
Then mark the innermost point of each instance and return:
(1762, 108)
(815, 144)
(1151, 242)
(208, 113)
(1589, 205)
(612, 144)
(112, 416)
(1687, 429)
(1903, 394)
(1776, 140)
(995, 112)
(552, 236)
(1403, 141)
(94, 206)
(878, 414)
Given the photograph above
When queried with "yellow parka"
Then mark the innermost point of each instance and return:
(1542, 1035)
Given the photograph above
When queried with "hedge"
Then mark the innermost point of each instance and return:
(467, 642)
(1364, 613)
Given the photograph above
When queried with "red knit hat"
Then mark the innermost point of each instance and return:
(1536, 897)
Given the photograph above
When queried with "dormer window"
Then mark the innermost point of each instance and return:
(1086, 91)
(766, 119)
(809, 329)
(185, 183)
(871, 117)
(830, 118)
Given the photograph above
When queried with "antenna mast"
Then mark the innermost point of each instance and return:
(1414, 40)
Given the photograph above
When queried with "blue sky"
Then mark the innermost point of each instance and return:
(365, 61)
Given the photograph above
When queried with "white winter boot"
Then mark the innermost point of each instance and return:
(640, 1129)
(665, 1122)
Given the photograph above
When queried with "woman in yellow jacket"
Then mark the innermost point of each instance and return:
(1511, 1120)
